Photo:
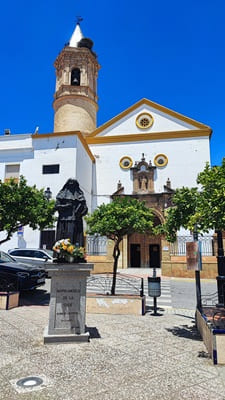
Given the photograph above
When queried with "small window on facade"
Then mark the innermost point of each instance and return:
(50, 169)
(75, 77)
(12, 171)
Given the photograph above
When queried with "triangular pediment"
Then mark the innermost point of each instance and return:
(146, 118)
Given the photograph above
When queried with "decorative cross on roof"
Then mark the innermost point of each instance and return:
(79, 19)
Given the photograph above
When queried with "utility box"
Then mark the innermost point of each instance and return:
(154, 286)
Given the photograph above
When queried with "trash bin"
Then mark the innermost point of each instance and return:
(154, 286)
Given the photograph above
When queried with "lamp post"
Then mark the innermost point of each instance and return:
(221, 269)
(197, 278)
(48, 194)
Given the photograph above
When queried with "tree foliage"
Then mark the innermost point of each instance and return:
(123, 216)
(199, 209)
(22, 205)
(211, 209)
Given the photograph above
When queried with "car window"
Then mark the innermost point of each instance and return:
(20, 253)
(49, 252)
(16, 253)
(39, 254)
(5, 257)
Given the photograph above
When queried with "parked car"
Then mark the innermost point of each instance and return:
(18, 276)
(34, 257)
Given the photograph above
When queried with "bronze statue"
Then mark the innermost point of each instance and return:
(71, 206)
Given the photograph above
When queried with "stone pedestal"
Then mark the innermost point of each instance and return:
(67, 303)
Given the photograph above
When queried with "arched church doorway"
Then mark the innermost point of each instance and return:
(144, 251)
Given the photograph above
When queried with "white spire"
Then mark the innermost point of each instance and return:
(76, 36)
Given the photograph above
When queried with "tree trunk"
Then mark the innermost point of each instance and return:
(116, 254)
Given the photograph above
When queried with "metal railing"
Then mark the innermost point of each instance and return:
(96, 245)
(101, 284)
(179, 247)
(210, 299)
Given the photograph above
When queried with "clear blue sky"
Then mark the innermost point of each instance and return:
(171, 52)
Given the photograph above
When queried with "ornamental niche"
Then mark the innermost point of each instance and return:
(143, 177)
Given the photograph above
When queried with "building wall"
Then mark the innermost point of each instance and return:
(162, 123)
(34, 152)
(75, 114)
(186, 158)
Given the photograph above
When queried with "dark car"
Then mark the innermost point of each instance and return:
(18, 276)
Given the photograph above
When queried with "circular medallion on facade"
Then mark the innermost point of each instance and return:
(126, 162)
(160, 160)
(144, 120)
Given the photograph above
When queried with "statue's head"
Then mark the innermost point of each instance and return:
(72, 183)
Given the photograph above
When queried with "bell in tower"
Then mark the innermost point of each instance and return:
(75, 77)
(75, 99)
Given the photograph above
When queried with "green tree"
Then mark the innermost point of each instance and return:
(185, 202)
(199, 209)
(211, 209)
(123, 216)
(22, 205)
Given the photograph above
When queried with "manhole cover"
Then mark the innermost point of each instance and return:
(30, 382)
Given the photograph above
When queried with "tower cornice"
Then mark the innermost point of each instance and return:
(70, 54)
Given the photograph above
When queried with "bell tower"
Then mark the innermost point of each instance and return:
(75, 99)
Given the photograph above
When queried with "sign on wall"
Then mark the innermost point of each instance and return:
(20, 231)
(193, 254)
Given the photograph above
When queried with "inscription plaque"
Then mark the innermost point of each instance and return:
(67, 303)
(67, 313)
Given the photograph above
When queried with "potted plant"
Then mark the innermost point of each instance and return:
(68, 252)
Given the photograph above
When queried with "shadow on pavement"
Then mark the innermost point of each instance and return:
(185, 331)
(36, 297)
(94, 333)
(150, 310)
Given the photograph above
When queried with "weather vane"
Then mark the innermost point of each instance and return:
(79, 19)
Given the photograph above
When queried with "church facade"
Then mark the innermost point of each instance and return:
(146, 152)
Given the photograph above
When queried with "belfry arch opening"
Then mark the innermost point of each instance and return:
(75, 77)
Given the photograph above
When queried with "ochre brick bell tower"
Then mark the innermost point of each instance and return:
(75, 101)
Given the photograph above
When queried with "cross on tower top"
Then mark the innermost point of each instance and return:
(79, 19)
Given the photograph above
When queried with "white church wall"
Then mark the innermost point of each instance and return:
(84, 172)
(162, 123)
(186, 158)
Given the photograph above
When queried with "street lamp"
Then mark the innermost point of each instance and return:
(197, 276)
(48, 194)
(221, 270)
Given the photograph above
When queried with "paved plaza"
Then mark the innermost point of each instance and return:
(128, 358)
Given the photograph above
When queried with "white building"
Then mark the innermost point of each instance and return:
(146, 151)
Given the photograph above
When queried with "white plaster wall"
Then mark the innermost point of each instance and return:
(186, 158)
(44, 151)
(15, 142)
(30, 238)
(84, 172)
(162, 123)
(54, 150)
(14, 149)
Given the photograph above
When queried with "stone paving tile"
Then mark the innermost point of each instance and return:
(198, 393)
(135, 358)
(192, 357)
(217, 386)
